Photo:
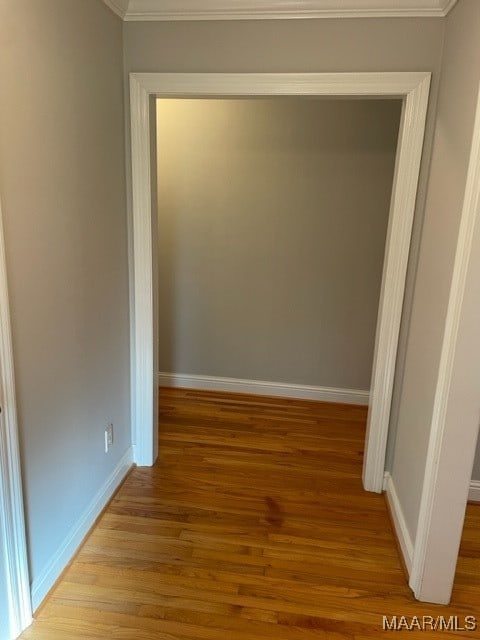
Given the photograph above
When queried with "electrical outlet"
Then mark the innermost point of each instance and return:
(108, 437)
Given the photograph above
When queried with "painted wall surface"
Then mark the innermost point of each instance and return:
(398, 44)
(453, 135)
(62, 181)
(308, 46)
(476, 464)
(272, 225)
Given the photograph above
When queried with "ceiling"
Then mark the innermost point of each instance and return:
(263, 9)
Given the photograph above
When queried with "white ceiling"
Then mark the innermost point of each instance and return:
(261, 9)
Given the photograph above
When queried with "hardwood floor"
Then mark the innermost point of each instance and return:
(252, 525)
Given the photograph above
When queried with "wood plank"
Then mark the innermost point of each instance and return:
(252, 525)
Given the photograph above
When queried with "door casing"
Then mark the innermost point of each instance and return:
(413, 89)
(12, 522)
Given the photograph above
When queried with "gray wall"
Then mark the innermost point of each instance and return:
(62, 182)
(454, 126)
(476, 464)
(398, 44)
(272, 224)
(303, 45)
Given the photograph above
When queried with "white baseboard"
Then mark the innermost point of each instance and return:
(47, 578)
(401, 529)
(257, 387)
(474, 493)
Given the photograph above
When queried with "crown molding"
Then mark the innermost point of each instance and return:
(138, 10)
(120, 7)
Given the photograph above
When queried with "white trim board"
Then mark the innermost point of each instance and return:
(12, 522)
(399, 522)
(120, 7)
(45, 581)
(413, 88)
(433, 540)
(142, 10)
(259, 387)
(474, 492)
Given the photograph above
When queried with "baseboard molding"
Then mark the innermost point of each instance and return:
(399, 523)
(258, 387)
(474, 493)
(47, 578)
(403, 536)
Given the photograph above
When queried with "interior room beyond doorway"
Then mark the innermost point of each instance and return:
(272, 223)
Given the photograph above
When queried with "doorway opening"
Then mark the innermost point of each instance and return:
(412, 89)
(272, 223)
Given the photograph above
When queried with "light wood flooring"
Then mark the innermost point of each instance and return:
(252, 525)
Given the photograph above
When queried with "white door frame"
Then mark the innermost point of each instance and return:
(413, 88)
(455, 419)
(12, 524)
